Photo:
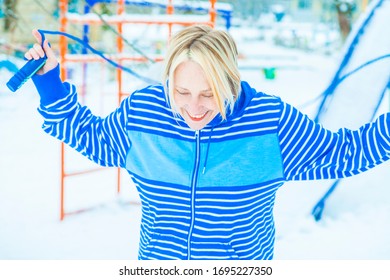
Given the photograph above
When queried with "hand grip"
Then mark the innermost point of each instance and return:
(25, 73)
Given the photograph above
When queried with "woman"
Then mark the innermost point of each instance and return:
(206, 152)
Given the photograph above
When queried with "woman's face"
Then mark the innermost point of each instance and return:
(193, 96)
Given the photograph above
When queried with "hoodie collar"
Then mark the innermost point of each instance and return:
(245, 96)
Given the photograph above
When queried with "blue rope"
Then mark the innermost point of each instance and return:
(42, 36)
(318, 209)
(332, 87)
(346, 59)
(362, 66)
(99, 53)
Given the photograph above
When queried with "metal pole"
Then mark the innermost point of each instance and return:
(63, 50)
(170, 11)
(364, 5)
(121, 10)
(213, 13)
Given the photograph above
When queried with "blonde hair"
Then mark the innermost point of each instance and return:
(216, 52)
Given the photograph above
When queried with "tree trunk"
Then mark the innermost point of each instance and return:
(10, 15)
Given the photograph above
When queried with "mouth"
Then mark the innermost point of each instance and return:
(197, 117)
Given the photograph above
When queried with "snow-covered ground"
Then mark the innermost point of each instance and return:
(355, 223)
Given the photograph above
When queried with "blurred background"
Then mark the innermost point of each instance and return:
(300, 18)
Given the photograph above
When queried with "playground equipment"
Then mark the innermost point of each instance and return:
(222, 9)
(356, 93)
(119, 20)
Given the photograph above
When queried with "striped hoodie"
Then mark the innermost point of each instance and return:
(209, 194)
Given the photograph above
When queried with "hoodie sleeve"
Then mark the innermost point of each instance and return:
(102, 140)
(311, 152)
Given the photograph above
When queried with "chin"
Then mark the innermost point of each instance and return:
(196, 126)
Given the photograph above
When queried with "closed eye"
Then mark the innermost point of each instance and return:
(182, 92)
(208, 95)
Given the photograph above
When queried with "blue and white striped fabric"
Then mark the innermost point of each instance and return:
(209, 194)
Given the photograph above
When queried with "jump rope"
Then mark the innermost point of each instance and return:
(32, 66)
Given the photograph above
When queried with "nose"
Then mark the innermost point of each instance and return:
(195, 103)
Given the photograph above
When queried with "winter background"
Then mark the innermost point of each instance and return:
(355, 222)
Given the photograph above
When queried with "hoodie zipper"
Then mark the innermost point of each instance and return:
(193, 187)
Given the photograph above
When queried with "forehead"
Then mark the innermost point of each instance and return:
(188, 66)
(190, 75)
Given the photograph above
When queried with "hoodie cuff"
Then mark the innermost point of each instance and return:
(50, 86)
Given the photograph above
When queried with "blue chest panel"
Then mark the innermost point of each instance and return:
(246, 161)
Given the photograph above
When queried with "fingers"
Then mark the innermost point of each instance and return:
(37, 36)
(35, 52)
(48, 50)
(51, 61)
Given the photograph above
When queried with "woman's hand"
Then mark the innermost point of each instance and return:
(37, 52)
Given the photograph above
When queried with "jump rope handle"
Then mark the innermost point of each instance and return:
(27, 71)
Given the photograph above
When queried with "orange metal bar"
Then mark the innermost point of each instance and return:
(170, 11)
(63, 39)
(63, 51)
(364, 5)
(213, 12)
(62, 191)
(121, 10)
(170, 8)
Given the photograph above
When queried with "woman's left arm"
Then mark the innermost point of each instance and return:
(311, 152)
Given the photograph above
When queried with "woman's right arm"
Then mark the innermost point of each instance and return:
(103, 140)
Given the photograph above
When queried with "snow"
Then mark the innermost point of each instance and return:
(355, 223)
